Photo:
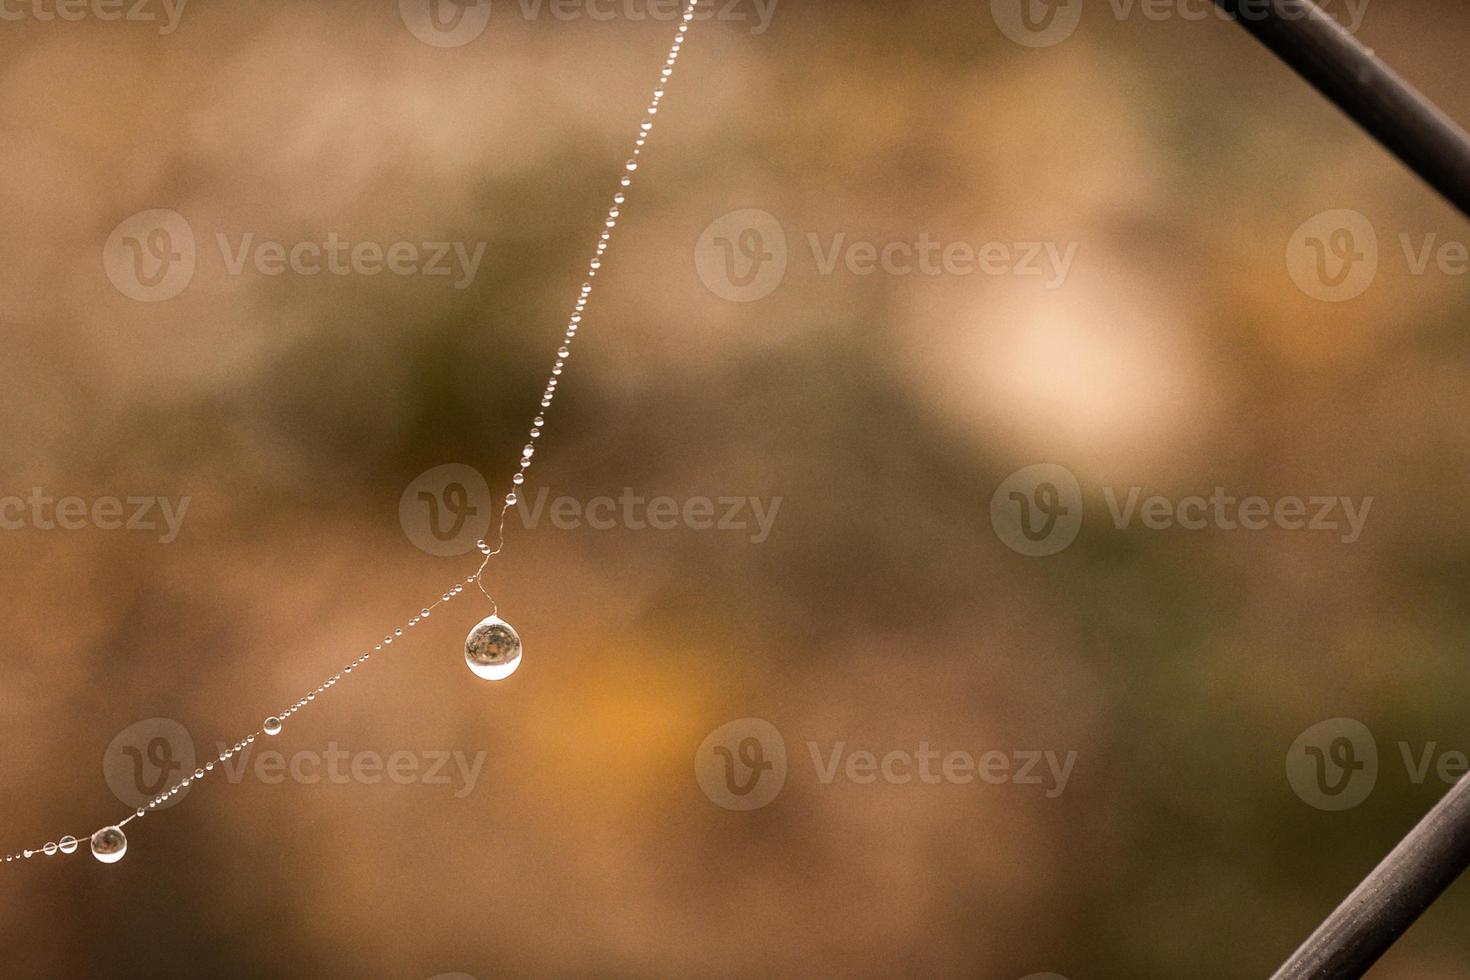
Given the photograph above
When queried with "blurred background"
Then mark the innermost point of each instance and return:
(1185, 348)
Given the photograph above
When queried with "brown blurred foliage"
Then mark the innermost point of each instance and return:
(881, 613)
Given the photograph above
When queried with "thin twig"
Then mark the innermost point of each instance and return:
(1388, 901)
(1392, 111)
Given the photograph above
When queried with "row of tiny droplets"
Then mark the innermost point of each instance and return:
(614, 212)
(69, 844)
(272, 725)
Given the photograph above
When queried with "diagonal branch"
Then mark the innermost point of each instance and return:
(1392, 111)
(1391, 898)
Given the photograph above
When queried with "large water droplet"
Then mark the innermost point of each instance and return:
(109, 845)
(272, 726)
(493, 649)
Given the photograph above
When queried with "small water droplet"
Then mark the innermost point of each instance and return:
(493, 649)
(68, 845)
(109, 845)
(272, 725)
